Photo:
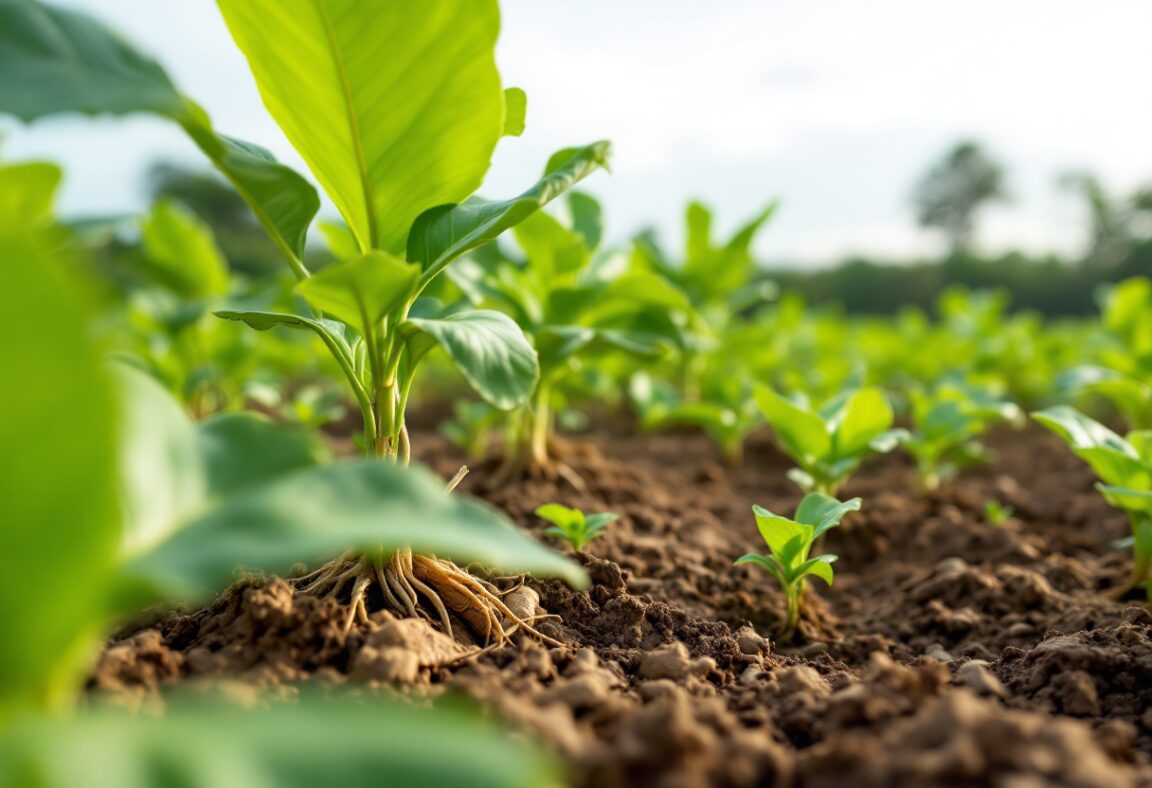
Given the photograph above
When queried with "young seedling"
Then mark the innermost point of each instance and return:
(572, 525)
(996, 513)
(574, 311)
(404, 142)
(790, 542)
(947, 423)
(1124, 467)
(725, 411)
(829, 443)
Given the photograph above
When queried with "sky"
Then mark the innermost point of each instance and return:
(835, 108)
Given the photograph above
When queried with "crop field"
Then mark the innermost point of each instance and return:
(463, 492)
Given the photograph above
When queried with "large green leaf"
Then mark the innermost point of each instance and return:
(242, 451)
(58, 521)
(340, 742)
(180, 251)
(866, 415)
(368, 505)
(442, 234)
(55, 61)
(801, 432)
(1080, 431)
(487, 347)
(396, 107)
(362, 290)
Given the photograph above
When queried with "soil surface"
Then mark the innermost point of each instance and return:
(950, 651)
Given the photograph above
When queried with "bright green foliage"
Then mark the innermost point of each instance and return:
(947, 422)
(315, 741)
(996, 513)
(181, 252)
(727, 416)
(470, 426)
(570, 307)
(1124, 467)
(1131, 396)
(572, 525)
(399, 144)
(829, 443)
(790, 544)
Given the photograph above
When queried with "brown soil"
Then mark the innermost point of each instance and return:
(949, 651)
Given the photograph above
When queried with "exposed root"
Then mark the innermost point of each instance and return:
(419, 586)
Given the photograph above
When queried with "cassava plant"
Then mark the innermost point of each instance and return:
(829, 443)
(790, 542)
(157, 509)
(573, 525)
(572, 309)
(947, 422)
(1124, 467)
(399, 142)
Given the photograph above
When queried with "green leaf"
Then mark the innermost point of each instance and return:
(865, 416)
(801, 432)
(766, 562)
(1128, 500)
(340, 240)
(181, 252)
(820, 566)
(54, 61)
(698, 239)
(489, 350)
(199, 744)
(362, 290)
(27, 191)
(823, 512)
(58, 511)
(598, 522)
(563, 517)
(587, 219)
(553, 251)
(777, 531)
(396, 107)
(370, 506)
(1081, 432)
(242, 451)
(515, 112)
(442, 234)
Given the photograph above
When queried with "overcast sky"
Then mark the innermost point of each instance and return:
(835, 107)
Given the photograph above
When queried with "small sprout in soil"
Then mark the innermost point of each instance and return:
(1124, 466)
(572, 525)
(791, 541)
(829, 443)
(947, 423)
(996, 513)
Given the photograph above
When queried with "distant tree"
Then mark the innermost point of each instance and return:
(1116, 224)
(953, 190)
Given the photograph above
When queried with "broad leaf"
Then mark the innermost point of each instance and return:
(371, 506)
(396, 107)
(1080, 431)
(487, 347)
(823, 512)
(198, 744)
(362, 290)
(442, 234)
(27, 191)
(181, 252)
(242, 451)
(820, 566)
(866, 415)
(777, 531)
(58, 513)
(801, 432)
(56, 61)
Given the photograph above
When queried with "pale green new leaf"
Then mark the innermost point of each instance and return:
(820, 566)
(823, 512)
(362, 290)
(487, 347)
(27, 191)
(777, 531)
(396, 107)
(515, 112)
